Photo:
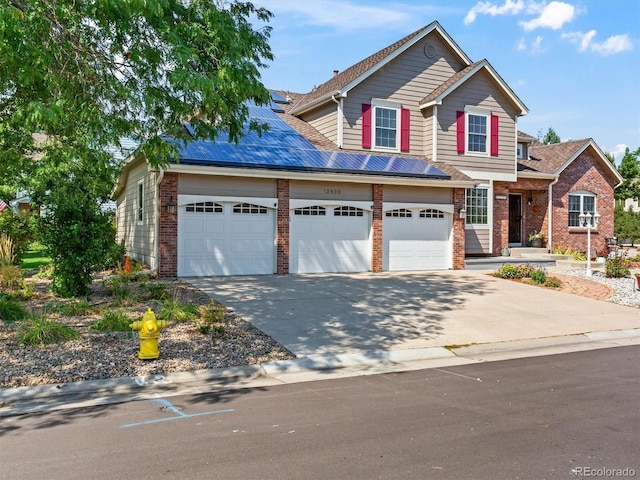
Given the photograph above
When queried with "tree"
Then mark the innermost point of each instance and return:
(82, 75)
(550, 137)
(629, 169)
(89, 73)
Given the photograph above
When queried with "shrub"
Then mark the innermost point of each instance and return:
(155, 291)
(19, 228)
(175, 310)
(617, 267)
(538, 276)
(513, 271)
(11, 310)
(113, 321)
(212, 318)
(7, 255)
(11, 277)
(42, 331)
(552, 282)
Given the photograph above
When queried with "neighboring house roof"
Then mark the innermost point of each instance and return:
(344, 81)
(554, 158)
(439, 93)
(292, 145)
(525, 137)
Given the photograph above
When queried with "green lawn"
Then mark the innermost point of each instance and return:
(35, 258)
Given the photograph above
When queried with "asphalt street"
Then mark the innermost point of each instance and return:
(557, 416)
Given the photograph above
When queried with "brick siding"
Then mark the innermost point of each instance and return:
(458, 229)
(376, 258)
(168, 232)
(282, 234)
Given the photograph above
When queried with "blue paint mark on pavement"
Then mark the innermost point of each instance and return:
(171, 408)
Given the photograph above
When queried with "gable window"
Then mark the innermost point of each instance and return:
(385, 126)
(477, 206)
(140, 204)
(580, 202)
(477, 133)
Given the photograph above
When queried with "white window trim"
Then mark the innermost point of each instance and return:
(139, 211)
(481, 226)
(582, 194)
(379, 103)
(480, 112)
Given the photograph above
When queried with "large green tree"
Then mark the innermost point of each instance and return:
(75, 77)
(629, 168)
(550, 137)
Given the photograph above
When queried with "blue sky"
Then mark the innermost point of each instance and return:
(574, 63)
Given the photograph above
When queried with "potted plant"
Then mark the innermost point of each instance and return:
(601, 255)
(536, 239)
(637, 275)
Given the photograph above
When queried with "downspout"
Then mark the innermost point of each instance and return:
(550, 210)
(340, 125)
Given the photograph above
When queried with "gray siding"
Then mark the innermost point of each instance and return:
(405, 80)
(396, 193)
(138, 237)
(324, 119)
(479, 91)
(227, 186)
(330, 191)
(477, 241)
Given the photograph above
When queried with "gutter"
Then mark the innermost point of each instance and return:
(340, 132)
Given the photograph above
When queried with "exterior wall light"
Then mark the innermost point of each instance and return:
(462, 213)
(171, 206)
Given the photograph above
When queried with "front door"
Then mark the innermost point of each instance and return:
(515, 219)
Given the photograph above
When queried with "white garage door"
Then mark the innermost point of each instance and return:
(329, 239)
(416, 239)
(225, 238)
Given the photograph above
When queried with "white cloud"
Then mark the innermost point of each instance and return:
(612, 45)
(618, 152)
(553, 16)
(510, 7)
(536, 46)
(345, 15)
(522, 45)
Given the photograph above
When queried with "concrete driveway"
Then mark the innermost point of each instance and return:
(327, 314)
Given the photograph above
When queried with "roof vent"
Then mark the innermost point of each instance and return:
(335, 73)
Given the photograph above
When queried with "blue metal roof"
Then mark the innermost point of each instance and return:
(283, 148)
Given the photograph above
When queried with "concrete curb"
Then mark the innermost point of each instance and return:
(23, 400)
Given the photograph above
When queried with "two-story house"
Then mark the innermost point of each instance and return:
(410, 159)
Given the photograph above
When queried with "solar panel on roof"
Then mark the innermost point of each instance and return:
(282, 147)
(276, 97)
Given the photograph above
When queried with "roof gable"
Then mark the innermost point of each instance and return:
(556, 157)
(438, 95)
(346, 80)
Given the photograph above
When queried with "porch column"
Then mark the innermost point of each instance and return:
(459, 197)
(168, 231)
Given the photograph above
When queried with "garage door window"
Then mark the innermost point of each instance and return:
(249, 208)
(348, 212)
(431, 213)
(316, 210)
(399, 213)
(204, 207)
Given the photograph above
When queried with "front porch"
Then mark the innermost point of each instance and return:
(538, 257)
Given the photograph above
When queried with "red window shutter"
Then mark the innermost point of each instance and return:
(460, 134)
(494, 135)
(366, 125)
(405, 119)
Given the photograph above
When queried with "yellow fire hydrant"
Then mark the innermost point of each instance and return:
(149, 332)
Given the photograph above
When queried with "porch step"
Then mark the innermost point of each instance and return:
(571, 264)
(528, 252)
(493, 263)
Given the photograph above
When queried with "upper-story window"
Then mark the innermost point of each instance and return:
(477, 132)
(522, 151)
(580, 202)
(385, 126)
